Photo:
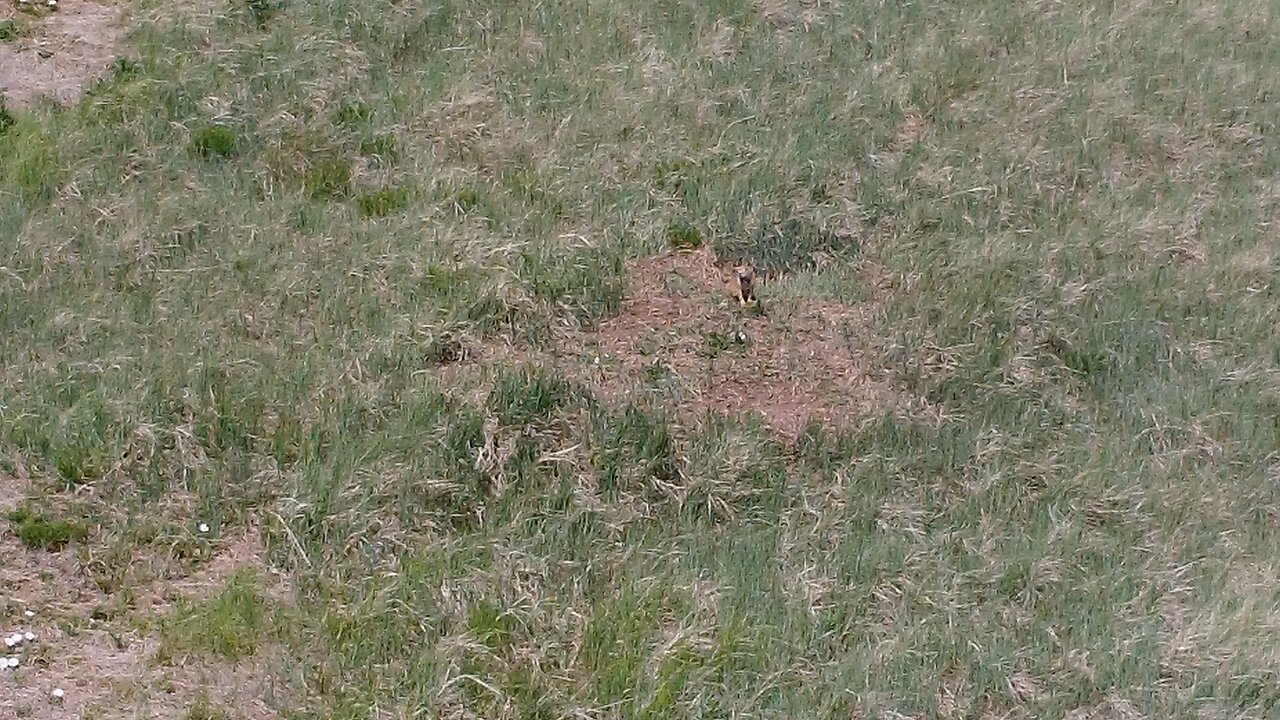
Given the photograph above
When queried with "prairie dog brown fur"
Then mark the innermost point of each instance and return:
(744, 284)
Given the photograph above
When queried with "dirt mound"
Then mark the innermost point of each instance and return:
(681, 332)
(55, 53)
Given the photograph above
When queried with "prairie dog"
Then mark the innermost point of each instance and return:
(744, 284)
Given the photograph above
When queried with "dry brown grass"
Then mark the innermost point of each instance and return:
(1048, 289)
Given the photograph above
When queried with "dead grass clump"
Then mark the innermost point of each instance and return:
(793, 364)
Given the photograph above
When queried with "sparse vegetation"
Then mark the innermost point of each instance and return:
(41, 532)
(205, 709)
(380, 147)
(1016, 451)
(233, 623)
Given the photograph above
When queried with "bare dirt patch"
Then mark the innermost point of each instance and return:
(104, 660)
(57, 53)
(793, 363)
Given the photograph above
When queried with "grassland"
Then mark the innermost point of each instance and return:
(251, 279)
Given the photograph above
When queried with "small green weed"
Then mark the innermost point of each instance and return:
(380, 147)
(123, 69)
(683, 236)
(41, 532)
(717, 343)
(214, 141)
(491, 625)
(328, 178)
(381, 202)
(8, 30)
(467, 201)
(672, 175)
(656, 371)
(354, 113)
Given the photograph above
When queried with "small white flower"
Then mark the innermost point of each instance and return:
(28, 636)
(8, 642)
(57, 693)
(13, 662)
(204, 527)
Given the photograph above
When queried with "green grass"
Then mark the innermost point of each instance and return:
(382, 202)
(41, 532)
(232, 623)
(214, 141)
(1070, 512)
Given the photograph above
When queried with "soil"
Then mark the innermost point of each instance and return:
(790, 362)
(105, 665)
(57, 52)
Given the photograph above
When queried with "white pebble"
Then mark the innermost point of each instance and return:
(57, 693)
(29, 613)
(204, 527)
(28, 636)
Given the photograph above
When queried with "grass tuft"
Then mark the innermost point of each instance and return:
(328, 178)
(232, 623)
(38, 531)
(214, 141)
(683, 236)
(381, 202)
